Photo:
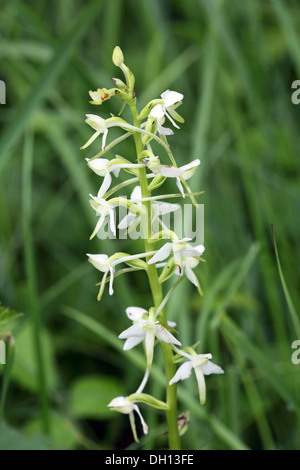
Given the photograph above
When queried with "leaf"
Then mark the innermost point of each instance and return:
(11, 439)
(91, 394)
(7, 316)
(24, 369)
(64, 436)
(50, 73)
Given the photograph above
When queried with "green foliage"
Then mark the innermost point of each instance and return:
(7, 317)
(89, 396)
(235, 63)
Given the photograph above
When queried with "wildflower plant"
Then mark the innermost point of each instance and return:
(164, 255)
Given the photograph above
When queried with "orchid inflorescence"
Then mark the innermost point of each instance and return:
(176, 256)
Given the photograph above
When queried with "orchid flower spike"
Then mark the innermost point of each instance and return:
(145, 328)
(180, 249)
(201, 365)
(171, 100)
(185, 172)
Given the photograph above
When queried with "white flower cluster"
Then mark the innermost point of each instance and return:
(176, 256)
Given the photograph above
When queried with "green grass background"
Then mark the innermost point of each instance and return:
(234, 62)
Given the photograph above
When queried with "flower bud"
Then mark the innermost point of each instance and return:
(120, 84)
(118, 57)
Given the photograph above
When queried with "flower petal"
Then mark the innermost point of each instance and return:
(191, 276)
(112, 224)
(145, 427)
(201, 384)
(132, 342)
(171, 97)
(149, 345)
(98, 226)
(98, 165)
(121, 404)
(183, 372)
(105, 185)
(164, 130)
(136, 194)
(104, 138)
(111, 280)
(166, 208)
(99, 261)
(126, 221)
(161, 254)
(211, 368)
(133, 330)
(164, 335)
(180, 187)
(157, 111)
(169, 171)
(91, 140)
(189, 169)
(135, 313)
(96, 122)
(133, 427)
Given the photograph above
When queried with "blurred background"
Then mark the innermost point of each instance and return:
(235, 63)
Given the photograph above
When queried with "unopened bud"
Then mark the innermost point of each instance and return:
(120, 84)
(118, 57)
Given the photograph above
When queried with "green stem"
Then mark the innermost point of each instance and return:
(157, 294)
(31, 275)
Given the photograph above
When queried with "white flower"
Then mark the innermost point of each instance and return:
(104, 167)
(100, 95)
(159, 114)
(100, 126)
(145, 328)
(124, 405)
(202, 366)
(161, 208)
(188, 264)
(99, 166)
(171, 99)
(185, 172)
(102, 263)
(181, 250)
(104, 209)
(127, 405)
(107, 265)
